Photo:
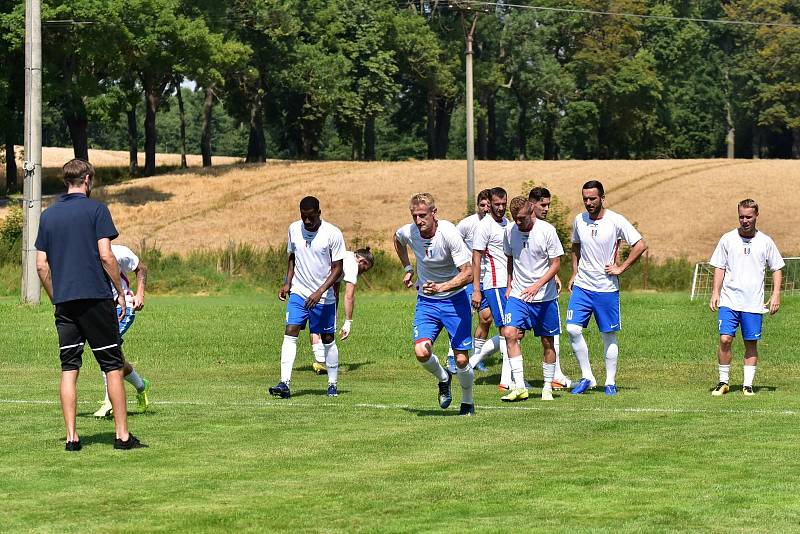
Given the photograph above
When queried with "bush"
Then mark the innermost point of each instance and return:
(11, 237)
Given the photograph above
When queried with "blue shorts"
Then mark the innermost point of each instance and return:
(541, 317)
(321, 318)
(497, 303)
(730, 320)
(470, 290)
(126, 321)
(453, 314)
(604, 305)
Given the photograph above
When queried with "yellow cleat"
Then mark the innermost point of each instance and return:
(516, 395)
(319, 368)
(141, 397)
(721, 389)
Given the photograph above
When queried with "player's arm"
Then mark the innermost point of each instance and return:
(477, 256)
(775, 300)
(636, 251)
(349, 306)
(463, 278)
(529, 293)
(716, 287)
(111, 267)
(43, 270)
(336, 273)
(402, 254)
(283, 292)
(576, 258)
(141, 282)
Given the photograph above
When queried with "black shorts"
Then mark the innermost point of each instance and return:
(92, 320)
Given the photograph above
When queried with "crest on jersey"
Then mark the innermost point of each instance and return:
(746, 245)
(594, 230)
(428, 249)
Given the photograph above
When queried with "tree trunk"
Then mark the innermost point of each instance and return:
(152, 98)
(256, 145)
(11, 162)
(491, 127)
(182, 115)
(522, 133)
(369, 139)
(796, 143)
(756, 142)
(549, 138)
(431, 125)
(78, 125)
(443, 110)
(357, 152)
(730, 137)
(483, 141)
(205, 131)
(133, 142)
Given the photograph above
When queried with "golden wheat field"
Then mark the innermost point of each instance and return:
(681, 206)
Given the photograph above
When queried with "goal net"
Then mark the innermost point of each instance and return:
(703, 279)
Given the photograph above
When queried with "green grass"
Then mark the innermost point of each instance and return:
(661, 456)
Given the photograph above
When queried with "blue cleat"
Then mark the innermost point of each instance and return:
(467, 409)
(445, 397)
(481, 367)
(281, 390)
(611, 390)
(582, 386)
(451, 364)
(332, 391)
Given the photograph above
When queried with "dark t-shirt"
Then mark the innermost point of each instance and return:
(68, 233)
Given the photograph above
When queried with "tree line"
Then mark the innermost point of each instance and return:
(384, 79)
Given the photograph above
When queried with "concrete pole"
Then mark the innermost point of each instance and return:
(470, 124)
(32, 167)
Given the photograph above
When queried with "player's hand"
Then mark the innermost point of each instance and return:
(529, 293)
(774, 303)
(346, 329)
(283, 292)
(121, 304)
(558, 285)
(313, 299)
(430, 288)
(713, 303)
(138, 302)
(408, 279)
(570, 283)
(508, 292)
(614, 269)
(477, 297)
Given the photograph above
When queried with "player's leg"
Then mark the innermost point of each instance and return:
(322, 321)
(517, 319)
(579, 312)
(319, 354)
(427, 327)
(560, 380)
(484, 345)
(457, 320)
(70, 342)
(751, 333)
(609, 321)
(296, 318)
(728, 321)
(546, 323)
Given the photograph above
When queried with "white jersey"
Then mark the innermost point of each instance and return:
(313, 254)
(599, 241)
(349, 268)
(531, 253)
(744, 260)
(439, 257)
(466, 227)
(128, 263)
(488, 237)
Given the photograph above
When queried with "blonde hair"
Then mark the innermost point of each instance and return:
(749, 203)
(422, 198)
(515, 205)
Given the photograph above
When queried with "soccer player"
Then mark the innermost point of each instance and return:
(75, 264)
(354, 264)
(489, 270)
(533, 252)
(595, 284)
(738, 292)
(541, 199)
(316, 253)
(128, 263)
(443, 269)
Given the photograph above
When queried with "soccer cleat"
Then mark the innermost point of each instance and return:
(467, 409)
(141, 396)
(445, 396)
(451, 364)
(281, 390)
(73, 446)
(721, 389)
(582, 386)
(547, 394)
(503, 388)
(319, 368)
(562, 382)
(748, 391)
(611, 390)
(131, 443)
(332, 391)
(481, 367)
(105, 409)
(516, 395)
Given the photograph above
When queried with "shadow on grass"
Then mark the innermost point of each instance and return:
(431, 413)
(136, 196)
(737, 388)
(105, 438)
(347, 367)
(314, 392)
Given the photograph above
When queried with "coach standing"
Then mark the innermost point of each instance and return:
(75, 263)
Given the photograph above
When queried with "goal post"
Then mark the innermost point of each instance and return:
(703, 279)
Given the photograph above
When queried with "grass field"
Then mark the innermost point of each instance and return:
(661, 456)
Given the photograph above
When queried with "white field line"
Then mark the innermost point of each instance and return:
(372, 406)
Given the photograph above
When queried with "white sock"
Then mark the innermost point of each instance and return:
(581, 350)
(332, 361)
(506, 376)
(517, 373)
(477, 357)
(288, 354)
(466, 377)
(557, 346)
(450, 353)
(491, 345)
(135, 380)
(612, 352)
(724, 373)
(548, 370)
(749, 375)
(433, 366)
(105, 386)
(319, 352)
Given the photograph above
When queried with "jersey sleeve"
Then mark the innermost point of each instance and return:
(554, 247)
(774, 258)
(289, 243)
(719, 258)
(403, 234)
(507, 240)
(350, 269)
(104, 224)
(127, 260)
(480, 238)
(337, 245)
(41, 237)
(458, 249)
(463, 228)
(626, 231)
(576, 238)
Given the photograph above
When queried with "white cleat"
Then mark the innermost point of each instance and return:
(105, 409)
(547, 394)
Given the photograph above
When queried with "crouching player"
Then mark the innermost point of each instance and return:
(534, 257)
(443, 269)
(128, 263)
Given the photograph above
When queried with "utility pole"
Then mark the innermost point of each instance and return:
(32, 167)
(468, 34)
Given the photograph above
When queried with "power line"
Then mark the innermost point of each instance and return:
(500, 4)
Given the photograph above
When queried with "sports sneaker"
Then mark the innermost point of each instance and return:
(332, 391)
(105, 409)
(281, 390)
(721, 389)
(748, 391)
(503, 388)
(583, 385)
(319, 368)
(451, 364)
(141, 396)
(611, 390)
(547, 394)
(131, 443)
(73, 446)
(562, 382)
(516, 395)
(481, 367)
(445, 397)
(467, 409)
